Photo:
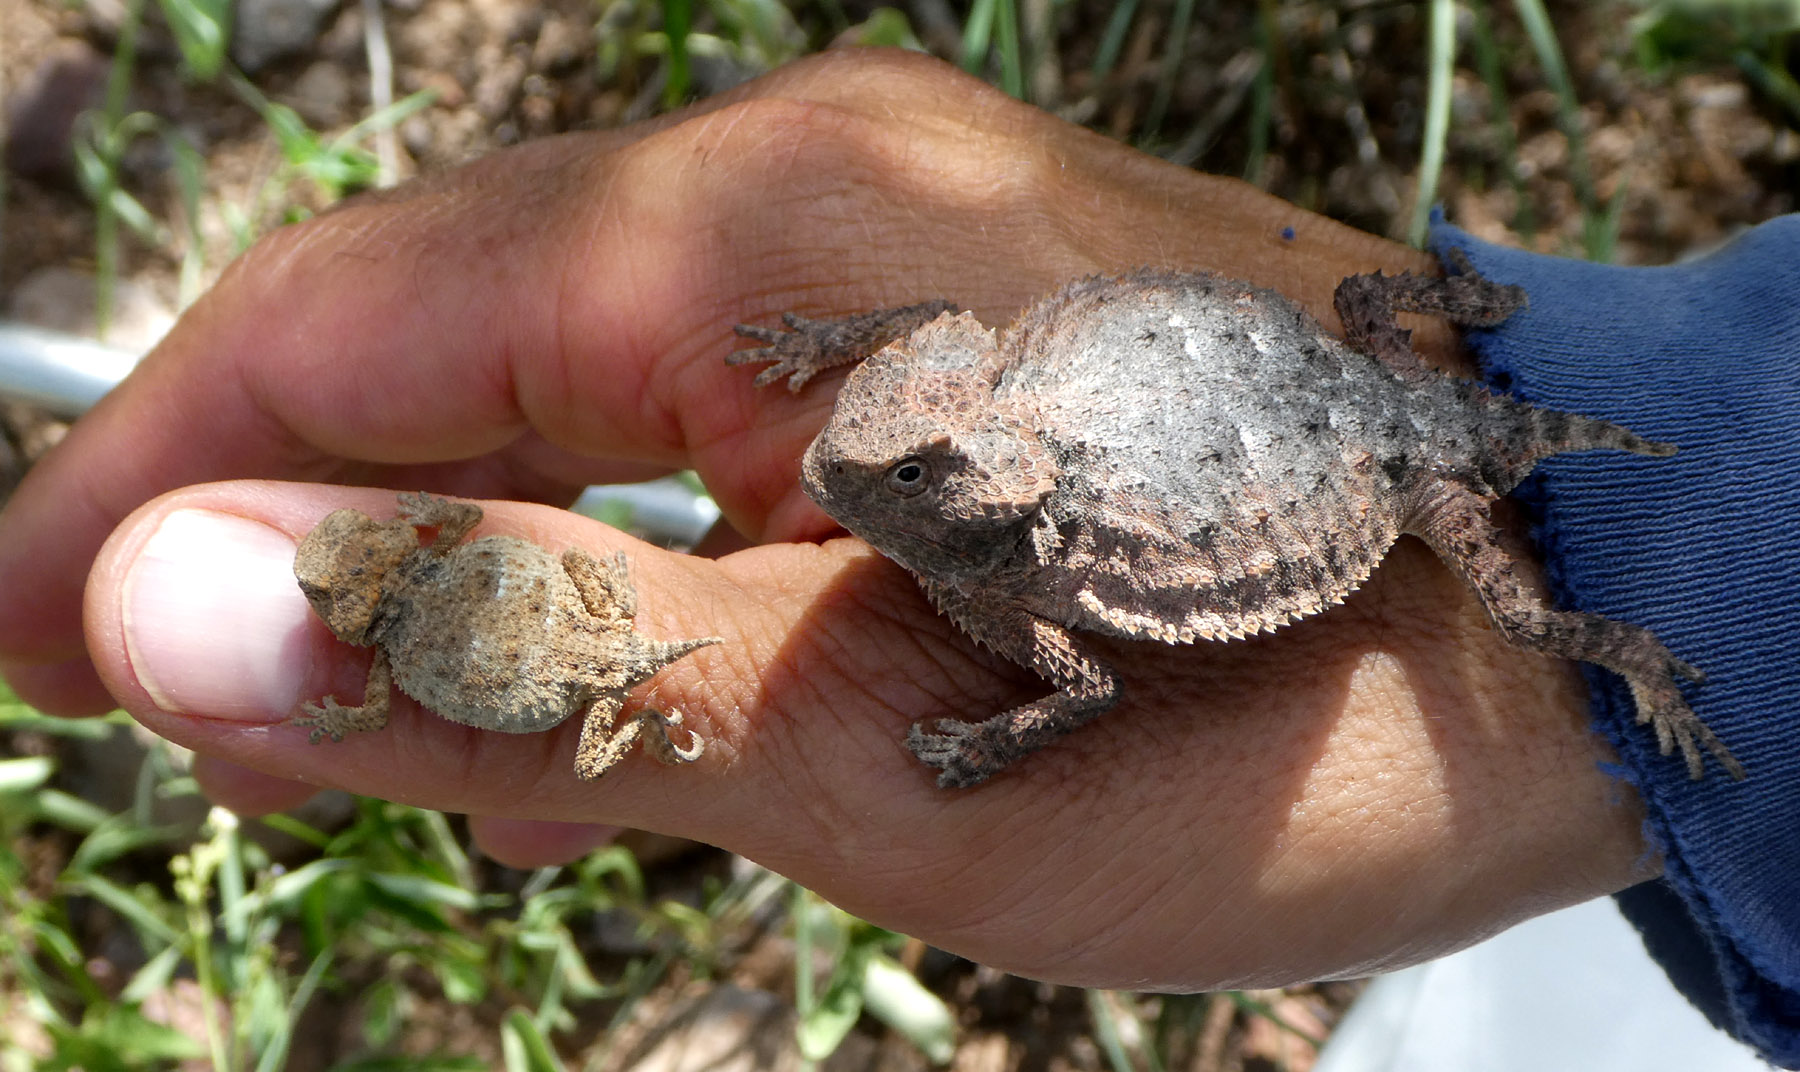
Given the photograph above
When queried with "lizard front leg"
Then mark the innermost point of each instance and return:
(969, 752)
(809, 347)
(328, 718)
(452, 519)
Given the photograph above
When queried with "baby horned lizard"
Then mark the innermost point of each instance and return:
(497, 633)
(1182, 457)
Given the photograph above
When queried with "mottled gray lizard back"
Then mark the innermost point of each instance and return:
(1244, 480)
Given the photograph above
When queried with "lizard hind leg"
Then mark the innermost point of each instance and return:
(1454, 520)
(601, 746)
(607, 592)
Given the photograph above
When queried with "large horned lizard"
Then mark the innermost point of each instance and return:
(1182, 457)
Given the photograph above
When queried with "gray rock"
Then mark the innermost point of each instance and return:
(270, 30)
(40, 118)
(322, 94)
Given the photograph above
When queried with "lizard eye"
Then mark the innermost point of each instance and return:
(909, 476)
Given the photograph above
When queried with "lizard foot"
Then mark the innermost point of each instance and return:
(798, 353)
(328, 718)
(809, 347)
(957, 749)
(1659, 703)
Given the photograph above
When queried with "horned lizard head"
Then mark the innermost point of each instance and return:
(920, 459)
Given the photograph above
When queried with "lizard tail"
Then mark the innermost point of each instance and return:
(1525, 435)
(667, 651)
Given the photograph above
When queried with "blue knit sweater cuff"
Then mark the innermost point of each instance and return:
(1704, 548)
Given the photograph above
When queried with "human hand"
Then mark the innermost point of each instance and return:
(1364, 789)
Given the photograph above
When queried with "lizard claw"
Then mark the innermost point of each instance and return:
(1687, 670)
(661, 746)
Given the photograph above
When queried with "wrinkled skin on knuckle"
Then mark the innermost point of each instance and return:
(907, 196)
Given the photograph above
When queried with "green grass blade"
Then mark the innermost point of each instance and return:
(1440, 58)
(387, 118)
(1604, 237)
(69, 811)
(25, 774)
(130, 905)
(678, 22)
(1568, 112)
(294, 828)
(1262, 96)
(154, 977)
(275, 1053)
(113, 838)
(1112, 40)
(1773, 80)
(1179, 22)
(524, 1047)
(1006, 38)
(190, 182)
(1266, 1011)
(896, 998)
(978, 32)
(1487, 61)
(824, 1026)
(201, 29)
(1106, 1032)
